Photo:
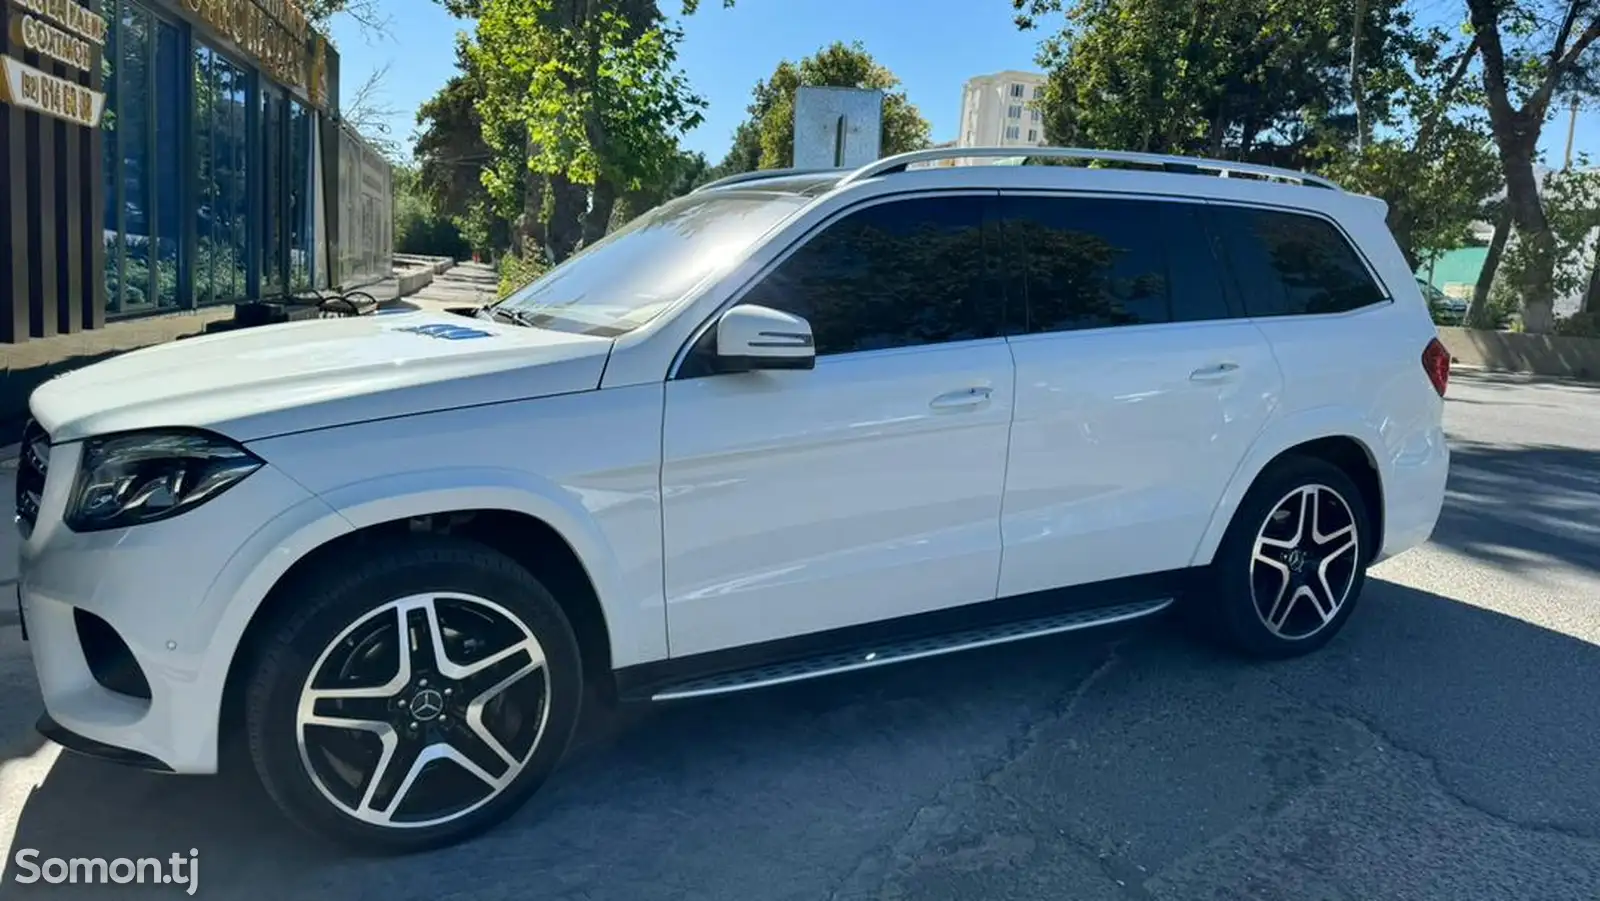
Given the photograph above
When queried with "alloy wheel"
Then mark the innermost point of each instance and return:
(1305, 562)
(423, 710)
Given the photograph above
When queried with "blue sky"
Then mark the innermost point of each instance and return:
(933, 45)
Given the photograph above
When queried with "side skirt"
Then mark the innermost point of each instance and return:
(901, 640)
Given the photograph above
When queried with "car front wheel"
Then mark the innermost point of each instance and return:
(415, 699)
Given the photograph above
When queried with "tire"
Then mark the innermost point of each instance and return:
(1262, 608)
(487, 703)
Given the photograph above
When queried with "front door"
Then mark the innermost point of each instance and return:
(868, 488)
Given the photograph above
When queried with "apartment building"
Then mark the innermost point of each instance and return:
(1001, 110)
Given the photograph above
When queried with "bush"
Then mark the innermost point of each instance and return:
(418, 231)
(1579, 325)
(518, 271)
(1500, 309)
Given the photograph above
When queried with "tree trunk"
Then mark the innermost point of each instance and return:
(1478, 310)
(565, 229)
(602, 200)
(530, 233)
(1536, 243)
(1591, 293)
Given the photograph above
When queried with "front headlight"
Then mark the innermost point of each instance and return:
(125, 480)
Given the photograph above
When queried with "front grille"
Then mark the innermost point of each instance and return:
(32, 465)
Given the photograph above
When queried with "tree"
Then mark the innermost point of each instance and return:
(766, 139)
(1530, 50)
(452, 153)
(368, 112)
(594, 86)
(1270, 81)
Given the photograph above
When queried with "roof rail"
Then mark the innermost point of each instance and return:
(1176, 164)
(760, 175)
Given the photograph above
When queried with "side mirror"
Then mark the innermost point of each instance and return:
(751, 338)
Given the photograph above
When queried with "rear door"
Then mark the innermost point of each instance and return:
(1139, 387)
(1312, 294)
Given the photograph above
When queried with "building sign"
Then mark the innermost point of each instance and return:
(29, 88)
(75, 17)
(47, 40)
(275, 34)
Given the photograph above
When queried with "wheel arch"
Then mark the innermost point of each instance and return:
(558, 542)
(1347, 444)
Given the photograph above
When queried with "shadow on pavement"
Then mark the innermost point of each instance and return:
(1518, 507)
(1134, 747)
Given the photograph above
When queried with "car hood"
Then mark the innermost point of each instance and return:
(270, 380)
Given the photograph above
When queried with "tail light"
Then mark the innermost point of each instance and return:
(1436, 362)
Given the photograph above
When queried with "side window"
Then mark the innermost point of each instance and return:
(1088, 262)
(896, 274)
(1288, 264)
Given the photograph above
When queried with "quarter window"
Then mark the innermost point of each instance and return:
(1289, 264)
(897, 274)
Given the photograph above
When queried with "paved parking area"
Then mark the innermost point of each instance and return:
(1443, 747)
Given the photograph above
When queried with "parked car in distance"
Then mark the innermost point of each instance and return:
(1445, 308)
(789, 426)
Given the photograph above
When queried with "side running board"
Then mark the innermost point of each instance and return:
(902, 652)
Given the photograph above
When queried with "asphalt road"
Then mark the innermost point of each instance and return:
(1443, 747)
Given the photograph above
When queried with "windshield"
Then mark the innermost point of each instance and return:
(640, 270)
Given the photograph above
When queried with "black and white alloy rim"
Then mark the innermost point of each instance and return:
(1305, 562)
(423, 710)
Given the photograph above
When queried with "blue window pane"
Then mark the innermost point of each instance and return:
(300, 227)
(110, 166)
(274, 122)
(169, 180)
(141, 68)
(221, 150)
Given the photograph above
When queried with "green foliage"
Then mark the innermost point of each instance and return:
(1571, 202)
(596, 92)
(418, 228)
(1579, 325)
(1269, 81)
(517, 271)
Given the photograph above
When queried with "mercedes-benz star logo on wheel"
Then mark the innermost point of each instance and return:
(427, 704)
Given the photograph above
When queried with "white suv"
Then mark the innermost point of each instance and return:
(791, 425)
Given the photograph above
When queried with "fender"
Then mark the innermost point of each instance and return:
(1277, 437)
(245, 581)
(634, 638)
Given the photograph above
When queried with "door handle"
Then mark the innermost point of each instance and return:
(1213, 373)
(966, 397)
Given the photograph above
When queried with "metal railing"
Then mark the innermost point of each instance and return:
(1176, 164)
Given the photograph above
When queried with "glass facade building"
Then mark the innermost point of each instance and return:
(178, 154)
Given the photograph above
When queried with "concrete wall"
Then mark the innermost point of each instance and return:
(1550, 355)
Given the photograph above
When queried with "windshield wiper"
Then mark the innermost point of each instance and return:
(512, 315)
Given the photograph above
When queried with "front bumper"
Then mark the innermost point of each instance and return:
(88, 747)
(168, 600)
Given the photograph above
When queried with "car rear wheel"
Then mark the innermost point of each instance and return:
(416, 700)
(1292, 564)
